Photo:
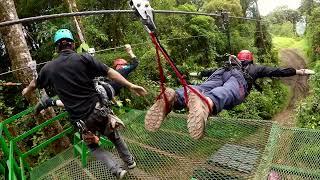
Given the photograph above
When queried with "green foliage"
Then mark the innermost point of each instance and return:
(285, 42)
(307, 6)
(283, 21)
(283, 14)
(284, 30)
(233, 6)
(308, 111)
(240, 38)
(246, 4)
(313, 35)
(261, 105)
(38, 7)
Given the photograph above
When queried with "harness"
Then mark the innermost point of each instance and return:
(234, 63)
(106, 94)
(105, 90)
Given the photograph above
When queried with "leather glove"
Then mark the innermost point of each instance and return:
(304, 72)
(90, 138)
(115, 122)
(308, 71)
(194, 74)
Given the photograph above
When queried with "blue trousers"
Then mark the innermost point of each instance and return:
(226, 89)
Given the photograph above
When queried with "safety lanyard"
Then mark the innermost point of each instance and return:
(184, 83)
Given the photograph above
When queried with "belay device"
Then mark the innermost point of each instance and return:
(144, 11)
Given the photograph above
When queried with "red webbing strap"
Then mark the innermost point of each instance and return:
(181, 78)
(162, 81)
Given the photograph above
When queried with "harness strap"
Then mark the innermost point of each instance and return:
(81, 126)
(162, 81)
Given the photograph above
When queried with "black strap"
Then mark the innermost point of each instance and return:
(81, 126)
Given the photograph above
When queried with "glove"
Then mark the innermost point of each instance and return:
(90, 138)
(115, 122)
(44, 103)
(194, 74)
(307, 72)
(128, 47)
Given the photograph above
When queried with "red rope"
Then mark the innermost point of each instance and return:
(181, 78)
(162, 81)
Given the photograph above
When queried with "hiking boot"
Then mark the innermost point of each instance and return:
(121, 174)
(198, 115)
(157, 113)
(132, 165)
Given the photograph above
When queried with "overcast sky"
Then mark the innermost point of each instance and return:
(266, 6)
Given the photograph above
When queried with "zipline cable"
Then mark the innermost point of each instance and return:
(138, 44)
(103, 50)
(23, 68)
(100, 12)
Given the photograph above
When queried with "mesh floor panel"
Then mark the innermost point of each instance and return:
(226, 152)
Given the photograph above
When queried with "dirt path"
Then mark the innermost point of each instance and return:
(298, 86)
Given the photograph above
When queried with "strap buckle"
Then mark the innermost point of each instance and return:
(103, 110)
(81, 126)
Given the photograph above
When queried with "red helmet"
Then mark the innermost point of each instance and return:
(245, 55)
(119, 63)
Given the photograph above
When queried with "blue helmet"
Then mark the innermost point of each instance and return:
(63, 34)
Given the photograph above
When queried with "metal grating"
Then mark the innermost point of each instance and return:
(297, 154)
(170, 153)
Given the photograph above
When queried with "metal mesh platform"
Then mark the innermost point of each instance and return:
(223, 153)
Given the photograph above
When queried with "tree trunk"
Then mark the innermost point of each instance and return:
(260, 37)
(77, 21)
(19, 55)
(294, 27)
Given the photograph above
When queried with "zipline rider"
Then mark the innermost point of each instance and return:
(224, 89)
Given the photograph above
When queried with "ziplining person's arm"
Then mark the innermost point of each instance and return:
(266, 71)
(117, 77)
(30, 88)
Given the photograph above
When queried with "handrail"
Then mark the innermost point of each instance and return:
(3, 144)
(11, 164)
(47, 142)
(35, 129)
(2, 169)
(19, 115)
(23, 177)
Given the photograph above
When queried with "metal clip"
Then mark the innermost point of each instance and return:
(91, 51)
(104, 112)
(144, 11)
(81, 126)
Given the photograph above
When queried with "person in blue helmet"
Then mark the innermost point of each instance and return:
(71, 76)
(121, 65)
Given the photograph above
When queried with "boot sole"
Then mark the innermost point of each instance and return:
(157, 113)
(197, 117)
